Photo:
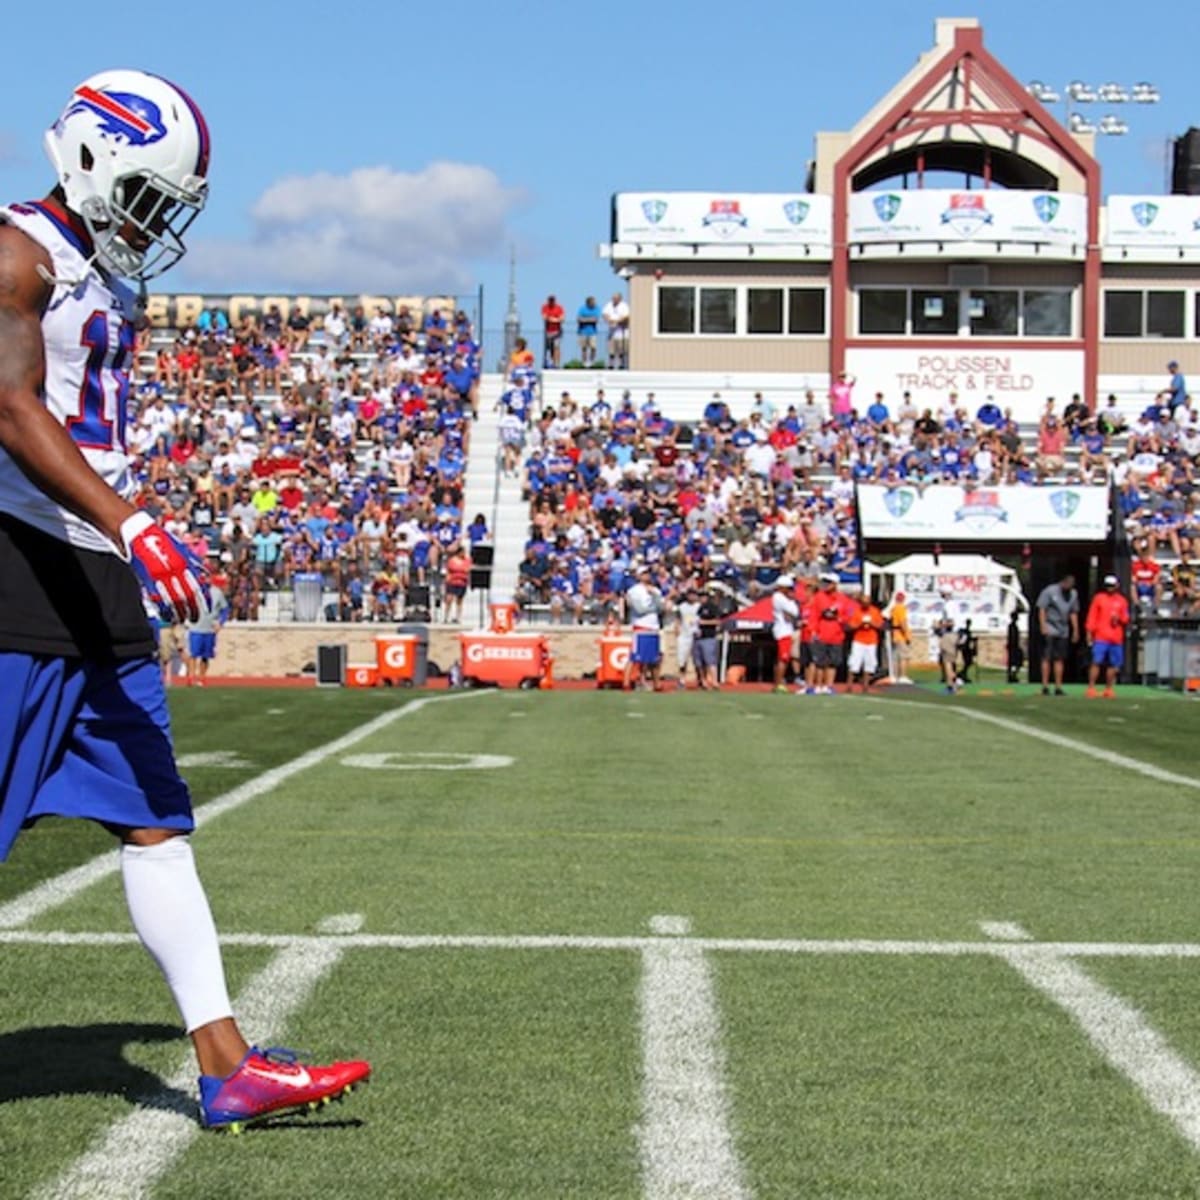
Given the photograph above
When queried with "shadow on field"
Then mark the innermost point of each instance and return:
(56, 1060)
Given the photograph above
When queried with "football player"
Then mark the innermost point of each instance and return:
(83, 714)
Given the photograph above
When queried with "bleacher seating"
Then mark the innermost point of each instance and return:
(332, 449)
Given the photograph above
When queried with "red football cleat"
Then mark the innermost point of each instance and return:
(270, 1082)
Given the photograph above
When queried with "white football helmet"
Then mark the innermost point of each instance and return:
(131, 151)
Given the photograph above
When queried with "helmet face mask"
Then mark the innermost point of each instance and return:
(131, 152)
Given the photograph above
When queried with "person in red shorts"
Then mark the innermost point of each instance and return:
(1107, 620)
(785, 614)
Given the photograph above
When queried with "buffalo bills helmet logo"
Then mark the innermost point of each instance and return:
(123, 116)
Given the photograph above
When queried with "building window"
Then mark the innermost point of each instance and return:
(965, 312)
(806, 310)
(883, 310)
(764, 310)
(1164, 314)
(935, 312)
(1122, 314)
(1046, 314)
(744, 310)
(993, 312)
(1135, 314)
(718, 310)
(676, 310)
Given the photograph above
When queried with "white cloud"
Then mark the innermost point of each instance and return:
(374, 229)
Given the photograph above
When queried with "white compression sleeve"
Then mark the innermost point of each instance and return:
(170, 912)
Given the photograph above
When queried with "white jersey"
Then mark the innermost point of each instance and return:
(89, 338)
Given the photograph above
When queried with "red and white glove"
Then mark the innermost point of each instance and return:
(172, 576)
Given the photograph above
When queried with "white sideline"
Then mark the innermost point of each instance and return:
(51, 893)
(1119, 1031)
(687, 1150)
(534, 941)
(1065, 743)
(125, 1161)
(1149, 770)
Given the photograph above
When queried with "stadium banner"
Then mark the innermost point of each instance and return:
(1017, 379)
(992, 215)
(966, 597)
(1152, 221)
(178, 310)
(949, 513)
(705, 218)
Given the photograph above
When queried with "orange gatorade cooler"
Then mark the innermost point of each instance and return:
(504, 616)
(362, 675)
(396, 658)
(614, 654)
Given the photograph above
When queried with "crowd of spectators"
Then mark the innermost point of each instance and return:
(283, 446)
(740, 500)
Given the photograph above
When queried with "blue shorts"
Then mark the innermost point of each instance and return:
(1108, 654)
(202, 645)
(646, 650)
(85, 739)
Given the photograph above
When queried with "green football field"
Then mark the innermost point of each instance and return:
(674, 946)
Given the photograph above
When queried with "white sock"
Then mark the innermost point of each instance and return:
(171, 915)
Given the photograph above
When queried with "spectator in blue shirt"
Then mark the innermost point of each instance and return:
(1175, 393)
(587, 322)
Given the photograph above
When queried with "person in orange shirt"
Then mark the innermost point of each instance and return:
(1107, 620)
(865, 627)
(901, 638)
(521, 355)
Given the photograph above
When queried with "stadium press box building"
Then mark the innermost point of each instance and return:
(1023, 283)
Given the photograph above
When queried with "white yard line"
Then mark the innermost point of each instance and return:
(687, 1150)
(1005, 931)
(1119, 1031)
(473, 941)
(52, 892)
(125, 1161)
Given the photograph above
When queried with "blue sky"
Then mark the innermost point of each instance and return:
(394, 148)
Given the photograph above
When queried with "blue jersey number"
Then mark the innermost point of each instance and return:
(91, 428)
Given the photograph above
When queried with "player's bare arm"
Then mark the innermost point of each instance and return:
(40, 446)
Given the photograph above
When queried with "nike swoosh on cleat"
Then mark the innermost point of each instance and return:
(297, 1078)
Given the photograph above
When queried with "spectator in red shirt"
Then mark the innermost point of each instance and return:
(1107, 620)
(552, 327)
(829, 612)
(1052, 444)
(1146, 581)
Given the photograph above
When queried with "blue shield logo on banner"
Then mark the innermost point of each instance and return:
(887, 206)
(654, 210)
(1046, 208)
(1064, 504)
(898, 501)
(796, 211)
(1144, 213)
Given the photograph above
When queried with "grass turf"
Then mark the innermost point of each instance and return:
(507, 1073)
